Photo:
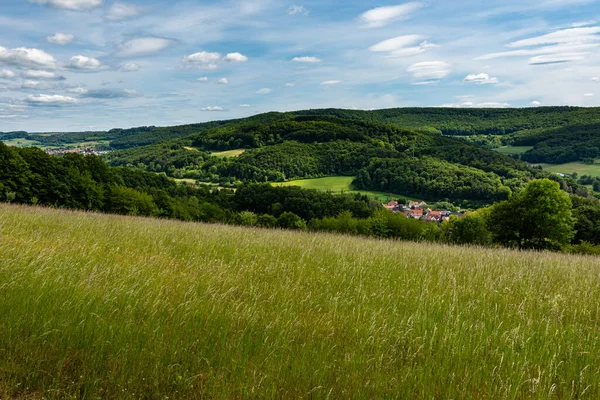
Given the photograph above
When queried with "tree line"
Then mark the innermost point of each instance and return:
(541, 216)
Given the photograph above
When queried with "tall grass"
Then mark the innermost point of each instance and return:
(120, 307)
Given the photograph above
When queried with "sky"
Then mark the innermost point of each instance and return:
(72, 65)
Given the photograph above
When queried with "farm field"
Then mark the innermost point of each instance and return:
(570, 168)
(229, 153)
(338, 184)
(102, 306)
(510, 150)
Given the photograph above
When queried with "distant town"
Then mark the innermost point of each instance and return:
(420, 210)
(84, 151)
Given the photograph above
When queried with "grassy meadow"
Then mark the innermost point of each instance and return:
(229, 153)
(570, 168)
(338, 184)
(511, 150)
(100, 306)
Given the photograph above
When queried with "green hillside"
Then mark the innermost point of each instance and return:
(304, 147)
(97, 306)
(436, 153)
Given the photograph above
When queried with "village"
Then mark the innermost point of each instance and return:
(84, 151)
(420, 210)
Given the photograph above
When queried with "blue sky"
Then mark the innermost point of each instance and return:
(98, 64)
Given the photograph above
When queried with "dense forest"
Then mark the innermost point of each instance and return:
(383, 157)
(562, 145)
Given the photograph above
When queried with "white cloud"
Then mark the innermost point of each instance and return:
(213, 108)
(108, 94)
(37, 85)
(561, 46)
(38, 74)
(84, 63)
(584, 23)
(306, 59)
(289, 84)
(61, 39)
(245, 106)
(120, 11)
(403, 46)
(596, 79)
(143, 46)
(574, 35)
(545, 50)
(589, 95)
(329, 83)
(264, 91)
(27, 58)
(75, 5)
(78, 90)
(31, 85)
(382, 16)
(235, 57)
(395, 43)
(130, 67)
(480, 79)
(223, 81)
(203, 79)
(535, 103)
(557, 58)
(297, 10)
(45, 99)
(203, 60)
(7, 74)
(429, 71)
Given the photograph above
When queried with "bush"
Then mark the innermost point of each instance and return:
(585, 248)
(247, 218)
(266, 221)
(470, 229)
(289, 220)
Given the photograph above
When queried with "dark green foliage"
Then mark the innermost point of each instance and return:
(539, 217)
(311, 146)
(266, 221)
(470, 229)
(308, 204)
(587, 213)
(289, 220)
(567, 144)
(431, 178)
(29, 175)
(171, 158)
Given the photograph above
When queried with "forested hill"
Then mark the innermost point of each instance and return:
(447, 121)
(382, 157)
(428, 153)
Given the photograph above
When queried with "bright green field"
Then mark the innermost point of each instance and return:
(339, 184)
(570, 168)
(510, 150)
(229, 153)
(95, 306)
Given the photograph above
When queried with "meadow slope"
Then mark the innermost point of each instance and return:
(119, 307)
